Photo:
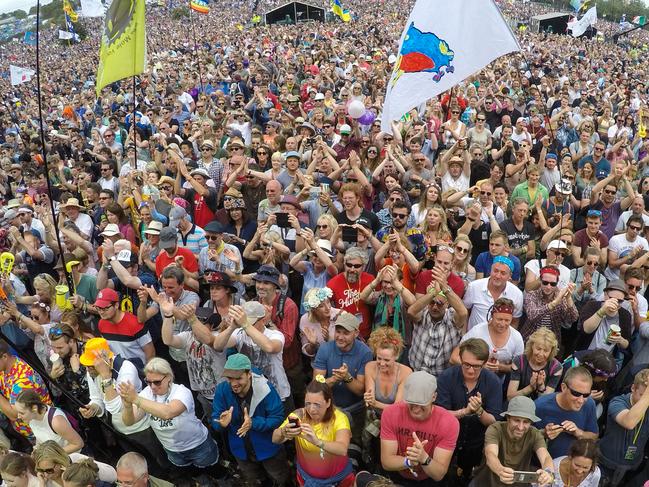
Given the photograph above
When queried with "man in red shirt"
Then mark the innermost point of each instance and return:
(417, 437)
(170, 254)
(444, 262)
(125, 334)
(347, 287)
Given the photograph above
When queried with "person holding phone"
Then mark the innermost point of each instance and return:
(509, 447)
(322, 435)
(247, 408)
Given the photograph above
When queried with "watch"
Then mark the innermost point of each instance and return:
(427, 461)
(348, 379)
(105, 384)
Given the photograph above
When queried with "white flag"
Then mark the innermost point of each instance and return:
(443, 43)
(92, 8)
(64, 34)
(578, 27)
(20, 75)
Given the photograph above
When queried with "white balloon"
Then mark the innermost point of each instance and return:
(356, 109)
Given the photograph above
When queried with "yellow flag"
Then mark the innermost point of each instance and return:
(123, 43)
(67, 8)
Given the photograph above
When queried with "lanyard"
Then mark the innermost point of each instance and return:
(637, 430)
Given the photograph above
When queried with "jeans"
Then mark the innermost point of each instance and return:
(203, 455)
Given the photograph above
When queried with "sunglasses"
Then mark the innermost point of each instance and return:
(56, 332)
(548, 283)
(481, 119)
(633, 227)
(322, 226)
(353, 266)
(631, 287)
(462, 250)
(399, 215)
(261, 152)
(485, 193)
(455, 111)
(45, 470)
(166, 188)
(234, 148)
(155, 382)
(610, 191)
(437, 302)
(211, 237)
(585, 395)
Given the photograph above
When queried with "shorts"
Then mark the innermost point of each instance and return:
(203, 455)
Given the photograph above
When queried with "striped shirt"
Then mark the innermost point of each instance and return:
(194, 240)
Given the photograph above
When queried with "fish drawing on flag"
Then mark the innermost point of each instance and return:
(423, 52)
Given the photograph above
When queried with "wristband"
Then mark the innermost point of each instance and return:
(169, 316)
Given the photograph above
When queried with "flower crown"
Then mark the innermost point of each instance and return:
(317, 297)
(320, 378)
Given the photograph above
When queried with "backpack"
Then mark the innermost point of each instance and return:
(118, 361)
(71, 419)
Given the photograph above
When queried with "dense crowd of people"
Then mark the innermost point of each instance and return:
(240, 282)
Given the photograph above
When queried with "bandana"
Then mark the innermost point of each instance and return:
(499, 259)
(503, 308)
(549, 270)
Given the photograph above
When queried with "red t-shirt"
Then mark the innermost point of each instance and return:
(440, 429)
(425, 277)
(163, 260)
(346, 296)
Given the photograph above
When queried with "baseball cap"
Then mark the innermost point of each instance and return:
(126, 257)
(176, 214)
(236, 365)
(348, 321)
(419, 388)
(254, 311)
(292, 153)
(168, 238)
(557, 244)
(93, 348)
(345, 129)
(215, 226)
(319, 96)
(522, 407)
(106, 297)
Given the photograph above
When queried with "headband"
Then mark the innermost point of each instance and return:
(500, 259)
(502, 308)
(549, 270)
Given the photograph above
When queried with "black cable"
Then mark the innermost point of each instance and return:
(196, 55)
(68, 276)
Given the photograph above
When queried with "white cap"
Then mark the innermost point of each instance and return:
(111, 230)
(557, 244)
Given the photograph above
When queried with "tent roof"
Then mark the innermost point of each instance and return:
(551, 15)
(295, 1)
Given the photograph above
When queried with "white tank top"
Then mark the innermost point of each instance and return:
(42, 430)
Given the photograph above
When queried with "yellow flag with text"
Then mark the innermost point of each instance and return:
(122, 51)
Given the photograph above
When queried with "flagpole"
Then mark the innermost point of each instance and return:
(196, 55)
(68, 276)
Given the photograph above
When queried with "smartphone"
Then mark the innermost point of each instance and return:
(526, 477)
(350, 234)
(282, 220)
(294, 421)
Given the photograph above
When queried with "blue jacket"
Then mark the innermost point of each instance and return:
(266, 411)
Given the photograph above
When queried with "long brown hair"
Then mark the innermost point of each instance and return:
(316, 387)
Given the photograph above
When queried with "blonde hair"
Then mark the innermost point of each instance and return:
(464, 238)
(443, 230)
(331, 221)
(385, 337)
(83, 473)
(542, 336)
(52, 451)
(45, 281)
(641, 378)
